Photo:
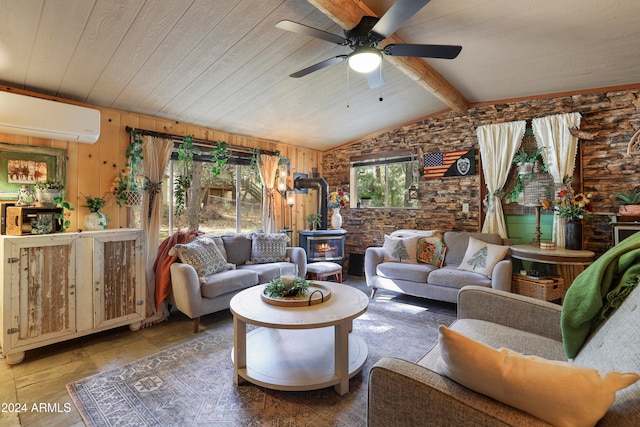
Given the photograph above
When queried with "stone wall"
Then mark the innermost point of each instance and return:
(614, 115)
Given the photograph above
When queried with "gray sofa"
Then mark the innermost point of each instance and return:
(411, 394)
(195, 296)
(429, 281)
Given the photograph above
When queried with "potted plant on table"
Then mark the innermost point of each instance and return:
(629, 201)
(574, 208)
(95, 220)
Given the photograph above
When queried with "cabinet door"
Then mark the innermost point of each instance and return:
(118, 279)
(42, 289)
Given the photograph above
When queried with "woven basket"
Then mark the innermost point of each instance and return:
(134, 198)
(549, 289)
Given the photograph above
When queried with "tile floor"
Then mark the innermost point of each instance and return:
(33, 393)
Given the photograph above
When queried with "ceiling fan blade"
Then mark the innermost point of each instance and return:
(319, 66)
(423, 50)
(294, 27)
(397, 15)
(375, 78)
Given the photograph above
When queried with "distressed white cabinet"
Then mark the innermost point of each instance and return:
(61, 286)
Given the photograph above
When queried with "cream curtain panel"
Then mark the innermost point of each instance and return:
(559, 154)
(498, 146)
(156, 153)
(268, 166)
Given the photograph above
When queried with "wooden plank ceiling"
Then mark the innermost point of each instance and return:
(224, 65)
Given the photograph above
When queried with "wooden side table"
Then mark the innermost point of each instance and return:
(569, 262)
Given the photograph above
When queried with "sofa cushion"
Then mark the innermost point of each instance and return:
(401, 249)
(451, 277)
(560, 393)
(268, 272)
(481, 257)
(202, 253)
(268, 247)
(457, 242)
(227, 281)
(218, 241)
(410, 272)
(238, 248)
(431, 250)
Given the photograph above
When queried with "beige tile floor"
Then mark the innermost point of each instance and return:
(42, 377)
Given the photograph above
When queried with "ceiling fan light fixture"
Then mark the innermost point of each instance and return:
(364, 60)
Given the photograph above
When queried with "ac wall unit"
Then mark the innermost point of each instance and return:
(26, 115)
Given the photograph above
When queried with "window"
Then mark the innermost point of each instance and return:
(230, 202)
(383, 180)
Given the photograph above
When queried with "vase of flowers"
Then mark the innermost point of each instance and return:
(336, 200)
(573, 208)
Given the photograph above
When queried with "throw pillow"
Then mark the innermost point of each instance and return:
(401, 249)
(266, 247)
(560, 393)
(203, 254)
(431, 250)
(481, 256)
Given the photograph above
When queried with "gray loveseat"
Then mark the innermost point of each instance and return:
(196, 296)
(411, 394)
(428, 280)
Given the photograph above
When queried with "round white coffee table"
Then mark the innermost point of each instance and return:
(298, 348)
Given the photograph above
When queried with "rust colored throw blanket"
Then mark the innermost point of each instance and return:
(162, 264)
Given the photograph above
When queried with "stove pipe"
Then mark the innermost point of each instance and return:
(322, 186)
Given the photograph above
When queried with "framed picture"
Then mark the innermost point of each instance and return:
(27, 164)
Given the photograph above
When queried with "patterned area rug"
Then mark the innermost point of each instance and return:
(192, 384)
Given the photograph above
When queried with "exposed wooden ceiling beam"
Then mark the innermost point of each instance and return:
(347, 14)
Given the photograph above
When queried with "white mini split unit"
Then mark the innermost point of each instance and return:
(26, 115)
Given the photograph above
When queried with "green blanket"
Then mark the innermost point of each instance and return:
(598, 290)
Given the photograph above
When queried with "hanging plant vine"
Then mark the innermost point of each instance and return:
(126, 183)
(186, 151)
(219, 157)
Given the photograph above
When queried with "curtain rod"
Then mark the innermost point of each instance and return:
(230, 147)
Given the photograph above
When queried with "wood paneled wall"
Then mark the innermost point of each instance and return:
(91, 168)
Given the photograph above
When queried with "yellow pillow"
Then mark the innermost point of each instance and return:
(560, 393)
(481, 256)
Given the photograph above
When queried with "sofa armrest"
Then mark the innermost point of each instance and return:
(513, 310)
(185, 287)
(372, 257)
(401, 393)
(298, 256)
(501, 275)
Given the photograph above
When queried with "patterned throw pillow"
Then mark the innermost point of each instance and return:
(431, 250)
(267, 247)
(401, 249)
(481, 257)
(203, 254)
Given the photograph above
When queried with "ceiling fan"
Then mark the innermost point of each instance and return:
(364, 38)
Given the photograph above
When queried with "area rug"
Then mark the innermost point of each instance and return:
(192, 384)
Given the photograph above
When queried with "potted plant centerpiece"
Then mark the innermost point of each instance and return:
(95, 220)
(629, 201)
(47, 192)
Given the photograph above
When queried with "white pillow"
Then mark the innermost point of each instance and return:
(401, 249)
(560, 393)
(481, 257)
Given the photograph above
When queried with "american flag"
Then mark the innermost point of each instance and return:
(437, 164)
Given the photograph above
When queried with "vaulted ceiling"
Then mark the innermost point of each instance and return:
(224, 64)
